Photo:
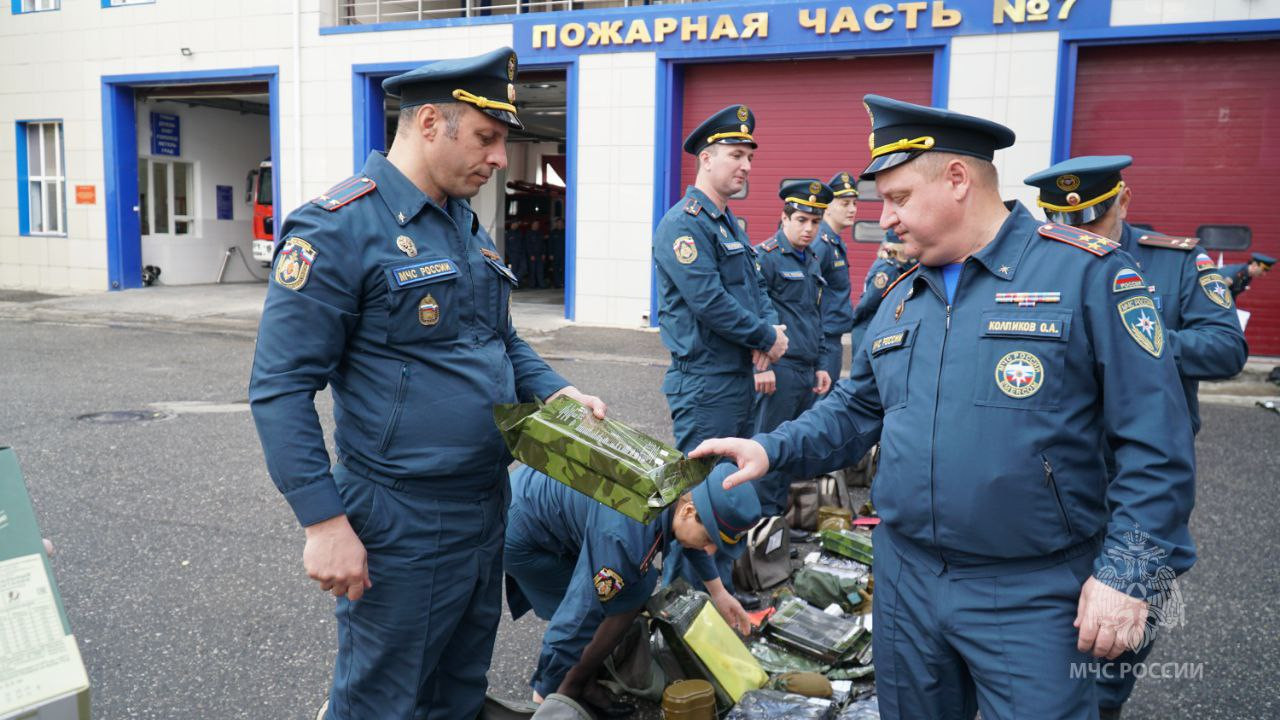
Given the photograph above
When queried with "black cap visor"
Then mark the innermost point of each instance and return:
(1083, 216)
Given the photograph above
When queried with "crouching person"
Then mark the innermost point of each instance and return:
(589, 569)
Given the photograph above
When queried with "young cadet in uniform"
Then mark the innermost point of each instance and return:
(837, 310)
(589, 569)
(888, 266)
(1241, 274)
(794, 281)
(713, 314)
(1201, 330)
(991, 374)
(387, 289)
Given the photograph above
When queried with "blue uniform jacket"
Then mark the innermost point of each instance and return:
(712, 309)
(991, 414)
(837, 310)
(417, 349)
(881, 273)
(1194, 300)
(795, 287)
(615, 558)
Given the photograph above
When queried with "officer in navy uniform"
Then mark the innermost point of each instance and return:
(713, 314)
(889, 264)
(1241, 274)
(536, 244)
(588, 569)
(837, 310)
(555, 252)
(387, 289)
(991, 375)
(1201, 329)
(517, 250)
(795, 284)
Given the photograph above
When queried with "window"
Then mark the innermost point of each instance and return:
(42, 181)
(1225, 237)
(120, 3)
(166, 197)
(30, 6)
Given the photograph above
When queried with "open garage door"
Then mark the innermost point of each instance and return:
(810, 122)
(1200, 121)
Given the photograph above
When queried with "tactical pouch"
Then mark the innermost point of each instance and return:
(767, 560)
(604, 459)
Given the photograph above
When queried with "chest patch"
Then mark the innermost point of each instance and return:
(1023, 327)
(1019, 374)
(422, 272)
(889, 342)
(792, 274)
(732, 246)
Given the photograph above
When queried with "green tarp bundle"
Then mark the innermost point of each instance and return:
(605, 459)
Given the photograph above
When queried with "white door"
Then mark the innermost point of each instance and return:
(166, 199)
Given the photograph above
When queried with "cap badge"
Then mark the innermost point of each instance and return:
(1066, 183)
(844, 178)
(1073, 199)
(814, 188)
(511, 68)
(511, 93)
(742, 113)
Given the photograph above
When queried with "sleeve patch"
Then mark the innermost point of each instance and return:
(1204, 262)
(1095, 244)
(1127, 279)
(293, 263)
(880, 280)
(1142, 320)
(1217, 289)
(608, 584)
(686, 249)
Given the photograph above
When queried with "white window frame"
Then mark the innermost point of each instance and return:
(40, 181)
(34, 6)
(193, 197)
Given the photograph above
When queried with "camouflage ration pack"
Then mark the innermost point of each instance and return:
(853, 545)
(604, 459)
(802, 627)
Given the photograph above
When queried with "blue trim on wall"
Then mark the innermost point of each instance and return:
(941, 76)
(277, 210)
(668, 110)
(107, 3)
(24, 207)
(571, 193)
(120, 159)
(1071, 41)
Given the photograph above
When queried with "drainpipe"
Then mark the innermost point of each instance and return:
(297, 107)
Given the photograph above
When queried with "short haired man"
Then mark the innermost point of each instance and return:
(1241, 274)
(837, 310)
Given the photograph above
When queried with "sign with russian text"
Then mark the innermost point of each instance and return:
(804, 27)
(165, 136)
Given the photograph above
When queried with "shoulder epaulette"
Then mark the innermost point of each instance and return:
(692, 206)
(769, 245)
(1165, 241)
(1083, 239)
(344, 192)
(894, 284)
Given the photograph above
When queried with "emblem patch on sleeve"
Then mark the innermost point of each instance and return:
(1019, 374)
(608, 584)
(686, 250)
(880, 280)
(293, 266)
(1142, 320)
(1217, 288)
(1127, 279)
(1204, 262)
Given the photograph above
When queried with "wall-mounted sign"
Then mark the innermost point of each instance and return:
(86, 194)
(165, 136)
(806, 27)
(224, 202)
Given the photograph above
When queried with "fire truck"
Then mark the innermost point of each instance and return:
(259, 191)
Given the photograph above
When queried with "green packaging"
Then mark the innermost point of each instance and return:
(606, 460)
(853, 545)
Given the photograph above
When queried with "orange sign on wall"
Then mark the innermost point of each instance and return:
(86, 194)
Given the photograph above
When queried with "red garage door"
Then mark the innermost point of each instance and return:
(810, 122)
(1201, 122)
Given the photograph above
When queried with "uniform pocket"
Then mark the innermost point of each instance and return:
(890, 351)
(397, 409)
(502, 293)
(424, 301)
(1022, 359)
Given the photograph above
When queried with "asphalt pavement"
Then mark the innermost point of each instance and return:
(180, 565)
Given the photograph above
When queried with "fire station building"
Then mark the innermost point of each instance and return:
(169, 134)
